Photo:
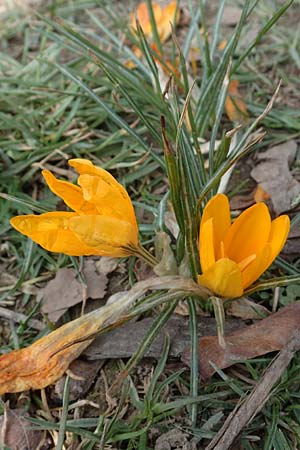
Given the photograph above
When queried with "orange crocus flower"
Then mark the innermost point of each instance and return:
(163, 15)
(103, 223)
(234, 255)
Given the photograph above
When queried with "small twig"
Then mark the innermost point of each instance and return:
(251, 405)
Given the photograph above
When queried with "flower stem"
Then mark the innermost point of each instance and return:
(142, 253)
(220, 319)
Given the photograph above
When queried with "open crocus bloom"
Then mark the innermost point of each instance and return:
(163, 15)
(233, 256)
(103, 222)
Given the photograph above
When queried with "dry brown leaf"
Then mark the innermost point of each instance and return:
(65, 290)
(274, 176)
(235, 106)
(96, 282)
(83, 374)
(60, 294)
(15, 432)
(246, 309)
(107, 264)
(267, 335)
(122, 342)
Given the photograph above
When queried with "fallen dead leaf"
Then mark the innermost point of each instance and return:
(83, 374)
(96, 282)
(122, 342)
(246, 309)
(107, 264)
(60, 294)
(65, 290)
(267, 335)
(275, 177)
(15, 431)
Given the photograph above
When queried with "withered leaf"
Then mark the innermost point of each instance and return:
(107, 264)
(267, 335)
(247, 309)
(83, 374)
(15, 431)
(96, 282)
(275, 177)
(61, 293)
(65, 290)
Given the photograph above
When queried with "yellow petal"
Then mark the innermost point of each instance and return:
(167, 18)
(218, 209)
(106, 234)
(71, 194)
(206, 245)
(254, 270)
(224, 278)
(249, 233)
(142, 15)
(279, 232)
(163, 17)
(84, 166)
(51, 231)
(108, 200)
(280, 228)
(91, 188)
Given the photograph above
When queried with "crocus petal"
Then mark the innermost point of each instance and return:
(280, 229)
(51, 231)
(142, 15)
(108, 200)
(167, 18)
(254, 270)
(249, 233)
(224, 278)
(84, 166)
(72, 195)
(218, 209)
(106, 234)
(206, 245)
(92, 189)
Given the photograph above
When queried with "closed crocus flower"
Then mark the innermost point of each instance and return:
(234, 255)
(103, 222)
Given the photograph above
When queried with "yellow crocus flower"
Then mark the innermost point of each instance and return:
(164, 16)
(234, 255)
(103, 222)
